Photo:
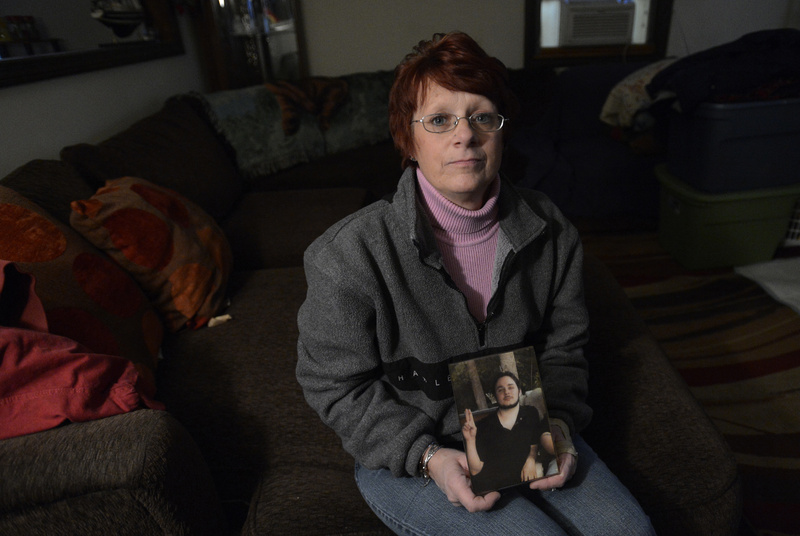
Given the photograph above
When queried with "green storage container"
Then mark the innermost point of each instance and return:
(704, 230)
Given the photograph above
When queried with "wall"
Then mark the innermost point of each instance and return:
(343, 36)
(700, 24)
(39, 119)
(346, 36)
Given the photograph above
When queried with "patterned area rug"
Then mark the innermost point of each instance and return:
(739, 351)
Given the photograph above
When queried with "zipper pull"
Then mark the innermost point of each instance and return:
(482, 330)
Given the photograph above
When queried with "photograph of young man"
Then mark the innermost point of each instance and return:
(504, 447)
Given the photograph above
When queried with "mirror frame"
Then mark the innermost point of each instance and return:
(23, 70)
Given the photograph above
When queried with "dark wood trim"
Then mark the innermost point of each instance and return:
(15, 71)
(660, 25)
(222, 54)
(23, 70)
(300, 30)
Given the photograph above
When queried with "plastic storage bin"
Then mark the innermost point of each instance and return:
(721, 148)
(704, 230)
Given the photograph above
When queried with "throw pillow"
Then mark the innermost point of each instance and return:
(175, 148)
(86, 296)
(173, 248)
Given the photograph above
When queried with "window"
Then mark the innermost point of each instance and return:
(575, 31)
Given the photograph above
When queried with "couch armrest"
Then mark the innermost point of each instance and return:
(648, 427)
(135, 473)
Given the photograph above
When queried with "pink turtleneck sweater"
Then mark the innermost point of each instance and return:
(467, 240)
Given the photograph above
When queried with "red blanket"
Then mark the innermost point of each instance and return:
(47, 380)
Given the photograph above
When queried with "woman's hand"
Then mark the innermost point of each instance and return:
(567, 463)
(448, 468)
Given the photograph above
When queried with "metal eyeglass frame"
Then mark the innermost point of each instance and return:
(455, 124)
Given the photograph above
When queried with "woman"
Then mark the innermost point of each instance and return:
(457, 264)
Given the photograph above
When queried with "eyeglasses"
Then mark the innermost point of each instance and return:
(481, 122)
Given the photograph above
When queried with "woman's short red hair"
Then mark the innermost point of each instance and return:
(453, 61)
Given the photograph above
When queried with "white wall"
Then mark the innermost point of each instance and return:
(347, 36)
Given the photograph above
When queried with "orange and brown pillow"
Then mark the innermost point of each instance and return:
(176, 251)
(86, 296)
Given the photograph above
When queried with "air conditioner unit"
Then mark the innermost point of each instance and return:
(603, 22)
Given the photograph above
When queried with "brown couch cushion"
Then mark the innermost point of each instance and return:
(132, 474)
(173, 249)
(174, 148)
(376, 168)
(642, 409)
(234, 387)
(273, 229)
(86, 296)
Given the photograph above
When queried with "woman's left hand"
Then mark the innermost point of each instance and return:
(567, 463)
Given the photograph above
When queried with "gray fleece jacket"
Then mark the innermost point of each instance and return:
(382, 320)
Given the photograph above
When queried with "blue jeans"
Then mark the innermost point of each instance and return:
(593, 503)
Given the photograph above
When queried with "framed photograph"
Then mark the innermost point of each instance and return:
(504, 420)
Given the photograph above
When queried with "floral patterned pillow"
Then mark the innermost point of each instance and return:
(85, 295)
(176, 251)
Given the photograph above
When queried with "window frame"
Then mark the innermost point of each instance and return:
(655, 48)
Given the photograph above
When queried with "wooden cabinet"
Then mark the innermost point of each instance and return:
(249, 42)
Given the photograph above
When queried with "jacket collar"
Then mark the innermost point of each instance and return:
(519, 222)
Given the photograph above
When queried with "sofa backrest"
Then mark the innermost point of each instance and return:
(50, 184)
(175, 148)
(274, 127)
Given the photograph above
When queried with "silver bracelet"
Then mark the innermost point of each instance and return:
(432, 448)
